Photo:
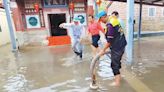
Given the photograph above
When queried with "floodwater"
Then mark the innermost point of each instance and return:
(57, 69)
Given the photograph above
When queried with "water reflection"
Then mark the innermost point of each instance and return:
(57, 70)
(67, 86)
(14, 79)
(16, 83)
(105, 70)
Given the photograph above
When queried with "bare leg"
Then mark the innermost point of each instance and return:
(117, 80)
(95, 50)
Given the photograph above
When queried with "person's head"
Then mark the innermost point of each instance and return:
(103, 16)
(76, 20)
(115, 13)
(90, 18)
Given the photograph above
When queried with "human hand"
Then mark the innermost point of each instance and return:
(61, 25)
(80, 40)
(102, 52)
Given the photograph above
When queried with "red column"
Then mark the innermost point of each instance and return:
(90, 10)
(90, 7)
(17, 17)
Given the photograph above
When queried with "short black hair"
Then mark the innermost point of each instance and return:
(115, 13)
(91, 16)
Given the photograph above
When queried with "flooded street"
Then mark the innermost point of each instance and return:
(56, 69)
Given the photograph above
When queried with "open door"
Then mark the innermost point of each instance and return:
(58, 35)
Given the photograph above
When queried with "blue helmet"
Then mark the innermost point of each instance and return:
(102, 13)
(76, 19)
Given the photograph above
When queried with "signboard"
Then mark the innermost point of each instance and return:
(33, 21)
(13, 4)
(0, 1)
(90, 2)
(79, 7)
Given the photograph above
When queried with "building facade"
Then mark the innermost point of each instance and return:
(4, 28)
(152, 16)
(39, 20)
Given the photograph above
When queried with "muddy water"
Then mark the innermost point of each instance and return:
(148, 63)
(56, 69)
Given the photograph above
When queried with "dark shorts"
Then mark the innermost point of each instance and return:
(95, 39)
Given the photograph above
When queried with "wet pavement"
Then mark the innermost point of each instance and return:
(56, 69)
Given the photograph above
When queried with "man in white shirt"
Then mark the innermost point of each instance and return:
(75, 32)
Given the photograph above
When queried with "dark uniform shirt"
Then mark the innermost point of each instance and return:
(115, 38)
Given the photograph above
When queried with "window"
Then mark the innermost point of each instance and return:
(152, 11)
(163, 11)
(0, 29)
(53, 3)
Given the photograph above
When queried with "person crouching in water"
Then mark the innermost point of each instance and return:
(93, 30)
(75, 32)
(116, 41)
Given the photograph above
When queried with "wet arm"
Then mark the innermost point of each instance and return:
(109, 38)
(88, 32)
(100, 28)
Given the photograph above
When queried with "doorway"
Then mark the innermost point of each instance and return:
(55, 21)
(58, 35)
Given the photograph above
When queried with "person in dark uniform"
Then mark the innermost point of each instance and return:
(116, 42)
